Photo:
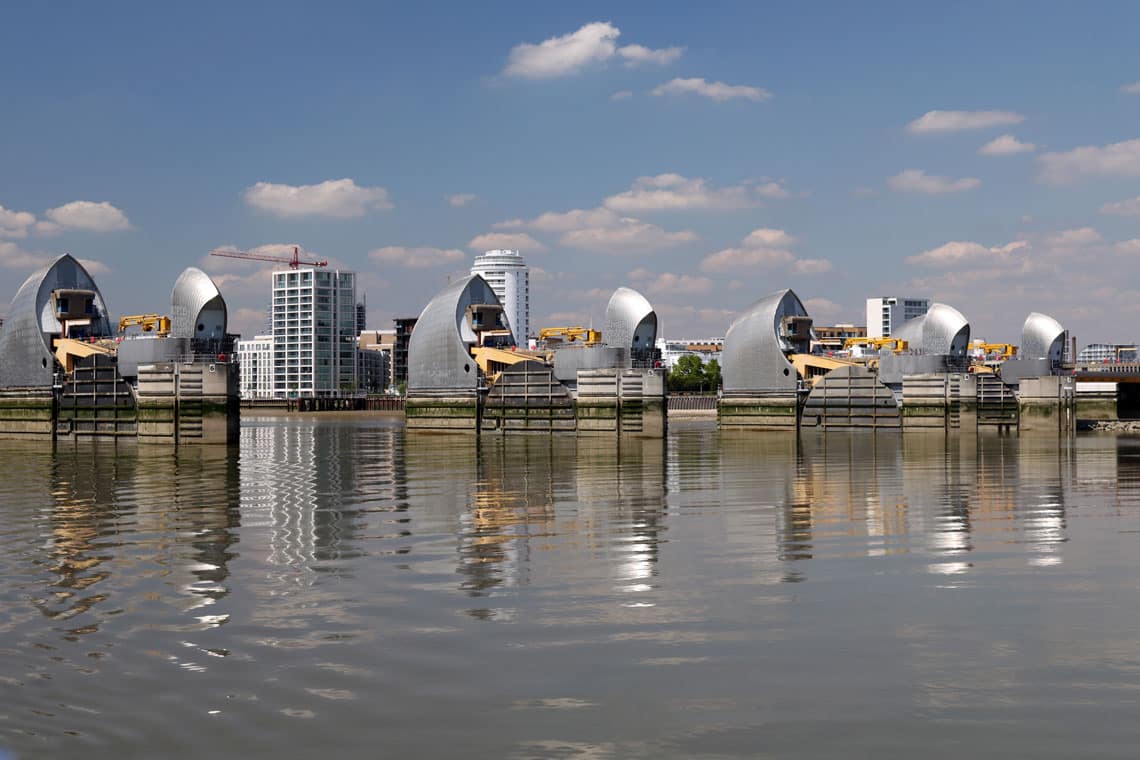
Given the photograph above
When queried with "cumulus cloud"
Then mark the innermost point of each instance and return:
(416, 257)
(460, 199)
(811, 266)
(1006, 145)
(673, 192)
(1128, 246)
(918, 181)
(622, 95)
(1130, 207)
(1120, 159)
(15, 224)
(591, 45)
(84, 215)
(1074, 238)
(716, 91)
(764, 248)
(958, 121)
(822, 307)
(627, 236)
(958, 253)
(555, 221)
(335, 198)
(670, 283)
(517, 241)
(639, 55)
(13, 256)
(1131, 89)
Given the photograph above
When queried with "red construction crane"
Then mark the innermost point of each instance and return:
(294, 261)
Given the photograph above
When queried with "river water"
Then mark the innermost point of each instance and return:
(334, 585)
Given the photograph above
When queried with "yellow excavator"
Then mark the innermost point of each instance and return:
(155, 323)
(894, 344)
(585, 335)
(996, 351)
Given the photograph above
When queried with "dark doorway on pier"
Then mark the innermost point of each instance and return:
(1128, 401)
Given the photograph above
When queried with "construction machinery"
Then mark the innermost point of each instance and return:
(995, 351)
(897, 345)
(584, 335)
(155, 323)
(294, 261)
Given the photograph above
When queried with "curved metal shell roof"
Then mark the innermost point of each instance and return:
(25, 339)
(753, 358)
(438, 350)
(196, 300)
(941, 330)
(1042, 337)
(631, 321)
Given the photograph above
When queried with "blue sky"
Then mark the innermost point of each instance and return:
(714, 154)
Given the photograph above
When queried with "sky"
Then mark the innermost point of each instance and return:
(985, 155)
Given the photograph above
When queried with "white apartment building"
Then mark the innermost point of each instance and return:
(886, 313)
(508, 275)
(255, 366)
(314, 332)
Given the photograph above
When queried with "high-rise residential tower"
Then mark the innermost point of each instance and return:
(886, 313)
(508, 275)
(314, 332)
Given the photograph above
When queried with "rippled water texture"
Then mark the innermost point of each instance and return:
(339, 587)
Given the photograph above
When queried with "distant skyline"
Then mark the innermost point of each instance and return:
(982, 155)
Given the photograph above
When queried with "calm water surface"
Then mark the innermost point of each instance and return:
(337, 586)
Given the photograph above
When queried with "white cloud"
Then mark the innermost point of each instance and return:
(717, 91)
(672, 192)
(1128, 246)
(731, 259)
(764, 248)
(811, 266)
(622, 95)
(1130, 207)
(553, 221)
(958, 253)
(627, 236)
(516, 241)
(766, 237)
(957, 121)
(639, 55)
(822, 307)
(1006, 145)
(13, 256)
(670, 283)
(593, 44)
(561, 56)
(1131, 89)
(1074, 238)
(336, 198)
(1120, 159)
(416, 257)
(460, 199)
(918, 181)
(15, 224)
(84, 215)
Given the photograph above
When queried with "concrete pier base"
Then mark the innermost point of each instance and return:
(745, 410)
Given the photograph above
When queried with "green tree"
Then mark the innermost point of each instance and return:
(688, 374)
(712, 375)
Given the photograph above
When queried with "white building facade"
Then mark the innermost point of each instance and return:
(314, 332)
(508, 275)
(255, 366)
(886, 313)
